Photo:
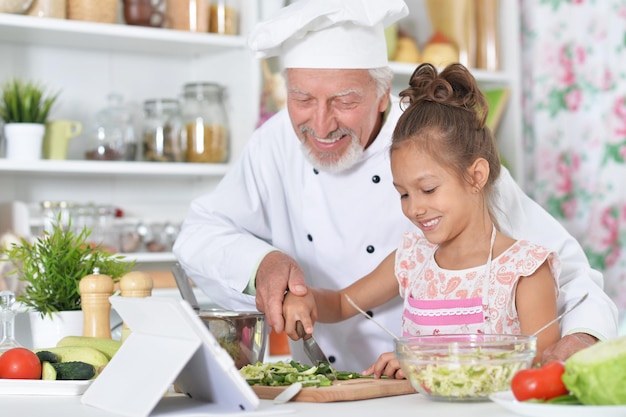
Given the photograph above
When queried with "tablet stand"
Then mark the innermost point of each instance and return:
(168, 344)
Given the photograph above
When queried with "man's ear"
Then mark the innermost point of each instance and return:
(384, 101)
(479, 173)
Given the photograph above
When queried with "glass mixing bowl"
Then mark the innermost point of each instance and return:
(464, 367)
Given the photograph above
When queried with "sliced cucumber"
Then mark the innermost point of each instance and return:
(48, 372)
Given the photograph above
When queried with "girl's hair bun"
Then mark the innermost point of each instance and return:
(455, 86)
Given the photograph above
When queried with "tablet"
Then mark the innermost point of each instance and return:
(168, 344)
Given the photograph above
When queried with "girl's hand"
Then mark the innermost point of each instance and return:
(299, 308)
(386, 365)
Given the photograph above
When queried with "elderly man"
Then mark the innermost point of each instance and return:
(311, 199)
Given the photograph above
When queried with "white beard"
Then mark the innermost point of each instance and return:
(332, 162)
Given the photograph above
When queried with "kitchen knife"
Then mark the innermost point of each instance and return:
(311, 348)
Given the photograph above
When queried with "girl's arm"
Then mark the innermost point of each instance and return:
(373, 290)
(536, 303)
(331, 306)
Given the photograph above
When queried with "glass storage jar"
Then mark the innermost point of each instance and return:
(224, 17)
(99, 221)
(191, 15)
(57, 212)
(161, 131)
(114, 136)
(84, 217)
(48, 8)
(104, 231)
(205, 133)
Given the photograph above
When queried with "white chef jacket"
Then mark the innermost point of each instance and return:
(341, 226)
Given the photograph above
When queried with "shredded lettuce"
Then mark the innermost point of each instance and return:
(467, 377)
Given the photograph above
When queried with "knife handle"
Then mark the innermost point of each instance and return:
(301, 332)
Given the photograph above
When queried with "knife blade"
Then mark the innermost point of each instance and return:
(311, 348)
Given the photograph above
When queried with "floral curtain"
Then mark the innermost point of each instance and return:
(574, 89)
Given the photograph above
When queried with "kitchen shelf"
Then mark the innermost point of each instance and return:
(113, 168)
(483, 77)
(149, 257)
(87, 61)
(65, 33)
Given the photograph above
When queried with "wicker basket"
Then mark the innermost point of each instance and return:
(102, 11)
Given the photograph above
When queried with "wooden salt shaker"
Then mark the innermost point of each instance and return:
(95, 290)
(135, 284)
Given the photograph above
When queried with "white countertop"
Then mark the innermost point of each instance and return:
(404, 405)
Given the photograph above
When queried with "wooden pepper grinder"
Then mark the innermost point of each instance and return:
(95, 290)
(135, 284)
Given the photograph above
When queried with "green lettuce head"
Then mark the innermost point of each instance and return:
(597, 375)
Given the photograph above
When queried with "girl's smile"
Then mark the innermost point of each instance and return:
(429, 224)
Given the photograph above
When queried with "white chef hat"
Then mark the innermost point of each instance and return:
(328, 33)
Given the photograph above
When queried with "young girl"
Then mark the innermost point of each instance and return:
(460, 275)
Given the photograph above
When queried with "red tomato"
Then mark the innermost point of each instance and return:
(20, 363)
(541, 383)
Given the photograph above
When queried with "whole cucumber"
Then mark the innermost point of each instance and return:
(47, 356)
(107, 346)
(74, 370)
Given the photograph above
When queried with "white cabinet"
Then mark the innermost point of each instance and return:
(86, 61)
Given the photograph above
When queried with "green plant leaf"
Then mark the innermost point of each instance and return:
(54, 264)
(25, 102)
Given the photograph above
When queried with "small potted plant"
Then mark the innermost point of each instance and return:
(52, 266)
(24, 108)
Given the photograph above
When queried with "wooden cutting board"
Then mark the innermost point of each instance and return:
(350, 390)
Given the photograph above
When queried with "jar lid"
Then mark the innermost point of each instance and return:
(159, 105)
(105, 210)
(115, 113)
(200, 84)
(47, 204)
(199, 89)
(161, 101)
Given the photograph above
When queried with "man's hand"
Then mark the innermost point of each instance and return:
(277, 273)
(567, 346)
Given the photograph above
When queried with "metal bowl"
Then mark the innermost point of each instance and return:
(241, 333)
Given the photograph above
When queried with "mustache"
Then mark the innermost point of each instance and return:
(335, 134)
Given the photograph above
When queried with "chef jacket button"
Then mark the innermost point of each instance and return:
(370, 249)
(370, 313)
(375, 179)
(331, 359)
(310, 238)
(315, 171)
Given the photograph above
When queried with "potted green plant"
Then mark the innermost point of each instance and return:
(52, 266)
(24, 108)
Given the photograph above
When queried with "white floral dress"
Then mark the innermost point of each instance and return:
(441, 301)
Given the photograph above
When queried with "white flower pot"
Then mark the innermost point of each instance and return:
(24, 141)
(46, 332)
